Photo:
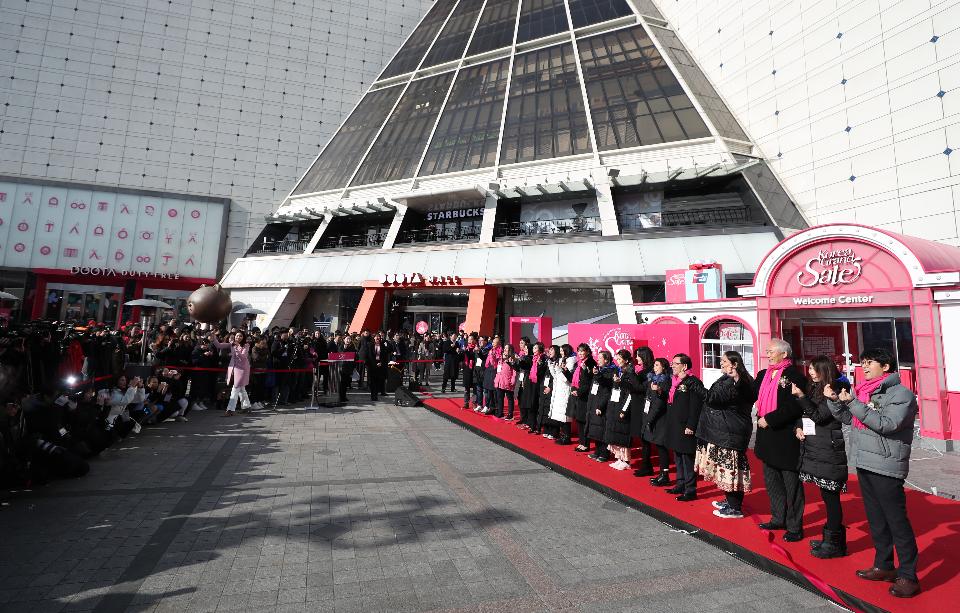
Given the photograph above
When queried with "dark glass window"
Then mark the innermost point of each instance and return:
(466, 136)
(586, 12)
(545, 116)
(340, 158)
(539, 18)
(453, 39)
(634, 97)
(495, 29)
(416, 46)
(397, 151)
(715, 109)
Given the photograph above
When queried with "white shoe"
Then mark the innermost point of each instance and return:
(199, 406)
(620, 465)
(258, 405)
(137, 428)
(181, 418)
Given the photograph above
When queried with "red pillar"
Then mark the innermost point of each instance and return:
(481, 310)
(369, 315)
(39, 306)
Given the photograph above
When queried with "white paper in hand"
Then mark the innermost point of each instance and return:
(809, 428)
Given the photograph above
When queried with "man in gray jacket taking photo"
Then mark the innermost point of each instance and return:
(881, 414)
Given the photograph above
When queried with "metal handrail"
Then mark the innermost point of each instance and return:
(284, 245)
(573, 225)
(437, 235)
(352, 240)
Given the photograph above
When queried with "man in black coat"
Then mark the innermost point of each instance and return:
(778, 414)
(375, 356)
(682, 417)
(451, 356)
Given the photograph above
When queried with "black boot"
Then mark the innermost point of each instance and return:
(663, 480)
(645, 470)
(834, 544)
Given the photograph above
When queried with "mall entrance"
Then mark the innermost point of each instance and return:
(426, 311)
(844, 334)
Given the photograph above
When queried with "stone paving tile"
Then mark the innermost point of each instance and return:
(370, 508)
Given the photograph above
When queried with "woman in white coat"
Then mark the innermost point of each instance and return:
(560, 373)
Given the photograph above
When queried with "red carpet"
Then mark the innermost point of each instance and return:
(935, 520)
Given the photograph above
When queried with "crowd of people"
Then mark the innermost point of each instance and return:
(626, 400)
(69, 392)
(67, 397)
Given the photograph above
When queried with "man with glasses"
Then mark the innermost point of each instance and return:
(682, 417)
(778, 411)
(881, 413)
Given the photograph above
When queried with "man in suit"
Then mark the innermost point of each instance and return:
(777, 446)
(375, 356)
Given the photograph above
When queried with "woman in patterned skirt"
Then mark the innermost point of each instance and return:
(724, 433)
(823, 457)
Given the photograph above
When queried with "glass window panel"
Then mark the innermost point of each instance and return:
(340, 158)
(630, 93)
(416, 46)
(453, 39)
(397, 151)
(710, 101)
(586, 12)
(495, 29)
(544, 98)
(539, 18)
(474, 109)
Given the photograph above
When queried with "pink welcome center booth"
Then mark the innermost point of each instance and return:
(835, 290)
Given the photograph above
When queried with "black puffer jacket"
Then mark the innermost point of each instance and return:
(603, 383)
(654, 416)
(823, 454)
(629, 405)
(725, 420)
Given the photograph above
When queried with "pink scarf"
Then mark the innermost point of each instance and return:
(673, 388)
(533, 368)
(864, 391)
(767, 398)
(637, 368)
(467, 360)
(493, 357)
(576, 373)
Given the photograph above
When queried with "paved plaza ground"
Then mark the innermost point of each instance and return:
(367, 508)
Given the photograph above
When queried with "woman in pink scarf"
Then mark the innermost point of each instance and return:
(778, 411)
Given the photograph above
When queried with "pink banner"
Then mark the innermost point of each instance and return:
(665, 340)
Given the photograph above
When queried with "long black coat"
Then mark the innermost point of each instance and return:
(637, 421)
(629, 405)
(823, 454)
(469, 357)
(725, 420)
(450, 358)
(577, 406)
(684, 413)
(597, 424)
(777, 444)
(529, 398)
(544, 381)
(655, 416)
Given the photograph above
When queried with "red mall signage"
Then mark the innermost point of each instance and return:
(415, 278)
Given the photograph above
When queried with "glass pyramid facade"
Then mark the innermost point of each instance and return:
(487, 83)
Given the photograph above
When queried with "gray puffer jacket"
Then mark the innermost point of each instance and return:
(883, 447)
